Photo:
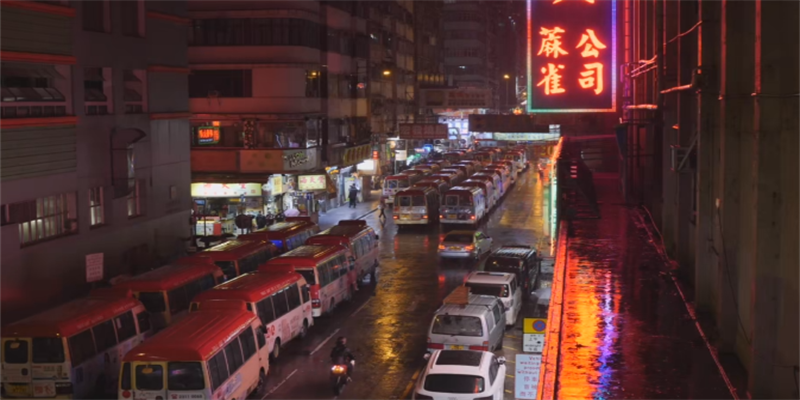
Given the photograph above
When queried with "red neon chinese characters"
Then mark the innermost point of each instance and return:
(559, 1)
(552, 79)
(592, 77)
(591, 44)
(551, 44)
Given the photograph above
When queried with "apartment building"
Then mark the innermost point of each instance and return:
(95, 151)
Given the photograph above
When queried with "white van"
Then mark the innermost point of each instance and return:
(463, 205)
(501, 284)
(467, 322)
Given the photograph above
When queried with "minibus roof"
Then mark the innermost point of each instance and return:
(73, 317)
(250, 287)
(196, 337)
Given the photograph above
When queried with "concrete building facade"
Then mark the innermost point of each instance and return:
(711, 126)
(95, 151)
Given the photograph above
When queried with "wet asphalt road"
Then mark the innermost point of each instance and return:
(386, 326)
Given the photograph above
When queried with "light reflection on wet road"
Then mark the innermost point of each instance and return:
(626, 333)
(388, 331)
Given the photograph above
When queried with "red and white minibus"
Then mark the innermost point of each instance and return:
(167, 291)
(287, 235)
(518, 157)
(484, 157)
(218, 354)
(394, 183)
(510, 166)
(74, 350)
(329, 271)
(499, 186)
(453, 156)
(466, 169)
(357, 236)
(486, 186)
(505, 174)
(450, 176)
(281, 300)
(463, 205)
(240, 256)
(434, 166)
(426, 170)
(416, 206)
(436, 184)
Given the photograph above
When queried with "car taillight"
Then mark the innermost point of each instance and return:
(441, 216)
(441, 247)
(436, 346)
(425, 217)
(63, 388)
(126, 394)
(469, 248)
(471, 217)
(394, 216)
(315, 303)
(479, 348)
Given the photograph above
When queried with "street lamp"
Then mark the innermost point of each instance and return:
(387, 72)
(507, 77)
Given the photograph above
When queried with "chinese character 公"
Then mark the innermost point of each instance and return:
(552, 79)
(551, 44)
(592, 77)
(591, 44)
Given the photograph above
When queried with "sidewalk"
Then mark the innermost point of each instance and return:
(625, 331)
(333, 216)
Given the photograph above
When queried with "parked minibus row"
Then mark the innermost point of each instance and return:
(452, 191)
(222, 314)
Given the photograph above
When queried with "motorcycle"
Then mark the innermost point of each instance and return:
(339, 377)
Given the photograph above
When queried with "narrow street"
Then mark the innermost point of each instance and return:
(387, 327)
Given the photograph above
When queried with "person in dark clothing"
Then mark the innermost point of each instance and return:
(261, 221)
(382, 207)
(353, 194)
(341, 355)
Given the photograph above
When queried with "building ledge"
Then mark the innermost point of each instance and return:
(37, 58)
(169, 18)
(53, 9)
(171, 115)
(13, 123)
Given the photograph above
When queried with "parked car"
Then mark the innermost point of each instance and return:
(519, 259)
(462, 375)
(465, 244)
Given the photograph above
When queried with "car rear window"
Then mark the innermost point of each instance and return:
(457, 325)
(153, 301)
(488, 289)
(149, 377)
(459, 238)
(48, 350)
(15, 352)
(451, 383)
(404, 201)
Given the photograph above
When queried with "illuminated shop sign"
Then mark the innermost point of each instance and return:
(208, 134)
(226, 189)
(572, 50)
(307, 183)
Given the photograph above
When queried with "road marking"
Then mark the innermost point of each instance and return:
(510, 376)
(324, 341)
(510, 361)
(362, 307)
(508, 391)
(279, 385)
(512, 337)
(509, 348)
(410, 385)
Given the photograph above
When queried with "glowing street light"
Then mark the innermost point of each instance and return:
(387, 72)
(506, 76)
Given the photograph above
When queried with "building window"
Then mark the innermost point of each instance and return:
(255, 32)
(221, 83)
(32, 91)
(97, 91)
(135, 96)
(312, 83)
(96, 16)
(135, 208)
(42, 219)
(96, 210)
(132, 12)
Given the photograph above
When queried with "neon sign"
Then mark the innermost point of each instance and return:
(572, 50)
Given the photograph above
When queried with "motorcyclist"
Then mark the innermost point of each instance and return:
(341, 355)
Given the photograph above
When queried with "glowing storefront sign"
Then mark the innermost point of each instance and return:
(572, 50)
(226, 189)
(307, 183)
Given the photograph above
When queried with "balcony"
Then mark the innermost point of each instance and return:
(254, 161)
(255, 105)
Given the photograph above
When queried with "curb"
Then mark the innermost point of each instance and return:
(368, 213)
(548, 382)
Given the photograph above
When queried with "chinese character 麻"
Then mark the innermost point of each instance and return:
(552, 79)
(591, 44)
(551, 44)
(592, 77)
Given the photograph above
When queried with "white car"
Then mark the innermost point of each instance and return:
(462, 375)
(502, 285)
(465, 244)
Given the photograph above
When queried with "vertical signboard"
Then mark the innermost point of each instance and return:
(572, 51)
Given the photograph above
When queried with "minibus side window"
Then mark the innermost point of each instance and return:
(217, 369)
(126, 328)
(16, 352)
(293, 295)
(233, 352)
(154, 380)
(248, 343)
(262, 341)
(185, 376)
(104, 336)
(81, 347)
(357, 248)
(281, 306)
(144, 321)
(265, 312)
(306, 294)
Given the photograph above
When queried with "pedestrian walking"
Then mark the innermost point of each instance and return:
(382, 209)
(261, 221)
(353, 194)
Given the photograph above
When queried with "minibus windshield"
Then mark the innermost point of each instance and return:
(457, 325)
(185, 376)
(153, 301)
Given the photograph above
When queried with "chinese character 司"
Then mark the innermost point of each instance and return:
(591, 44)
(592, 77)
(551, 44)
(552, 79)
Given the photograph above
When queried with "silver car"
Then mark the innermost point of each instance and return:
(465, 244)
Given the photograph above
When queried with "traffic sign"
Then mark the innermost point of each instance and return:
(534, 325)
